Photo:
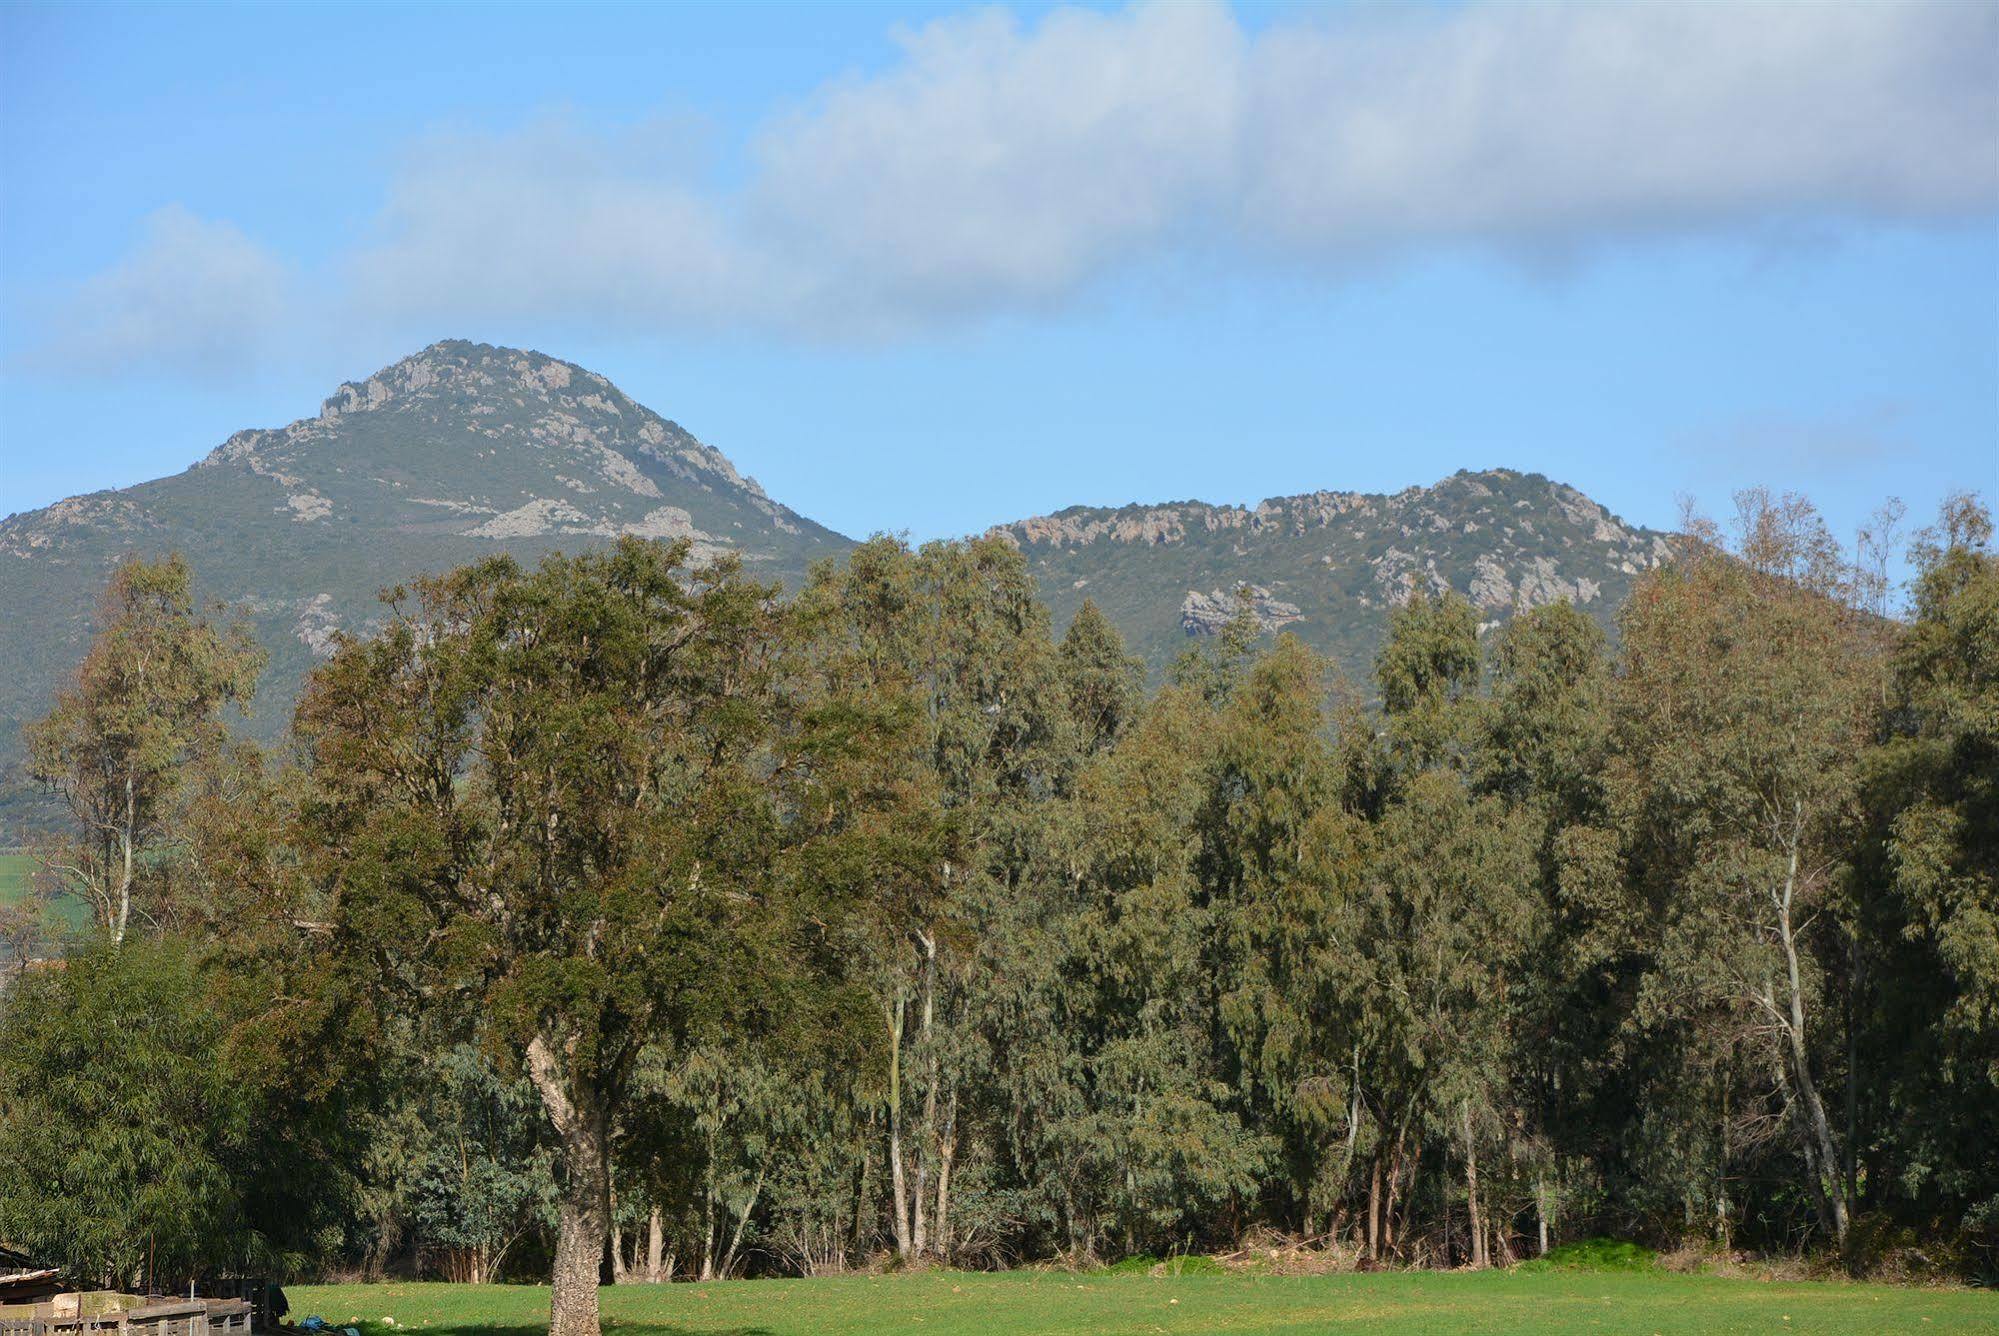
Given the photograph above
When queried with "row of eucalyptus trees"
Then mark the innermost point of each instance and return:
(640, 921)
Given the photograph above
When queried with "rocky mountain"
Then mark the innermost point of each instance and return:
(1330, 566)
(464, 450)
(453, 454)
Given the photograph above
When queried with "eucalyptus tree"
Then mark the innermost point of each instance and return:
(1103, 680)
(1935, 1002)
(556, 796)
(952, 650)
(1281, 861)
(145, 708)
(1742, 708)
(477, 1176)
(1134, 1127)
(1544, 742)
(1428, 669)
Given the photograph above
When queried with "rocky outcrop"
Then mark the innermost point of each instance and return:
(1341, 562)
(1207, 614)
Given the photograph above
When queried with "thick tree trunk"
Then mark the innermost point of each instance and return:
(579, 1252)
(656, 1272)
(583, 1211)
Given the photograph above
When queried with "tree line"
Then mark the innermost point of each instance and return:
(623, 917)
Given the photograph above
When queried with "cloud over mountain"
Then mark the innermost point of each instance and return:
(997, 165)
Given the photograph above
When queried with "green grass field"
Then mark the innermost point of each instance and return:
(17, 878)
(17, 872)
(1064, 1304)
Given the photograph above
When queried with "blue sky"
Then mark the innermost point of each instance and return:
(928, 268)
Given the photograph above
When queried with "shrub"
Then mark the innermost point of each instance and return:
(1594, 1255)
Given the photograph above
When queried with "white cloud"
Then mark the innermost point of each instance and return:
(997, 166)
(194, 296)
(559, 223)
(1540, 123)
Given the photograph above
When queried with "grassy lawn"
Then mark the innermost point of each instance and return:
(1097, 1305)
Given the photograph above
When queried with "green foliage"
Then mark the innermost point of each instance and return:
(1428, 670)
(477, 1167)
(144, 712)
(1105, 684)
(1180, 1264)
(1935, 809)
(1593, 1255)
(768, 936)
(134, 1129)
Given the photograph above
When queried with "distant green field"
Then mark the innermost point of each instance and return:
(17, 871)
(17, 881)
(1050, 1303)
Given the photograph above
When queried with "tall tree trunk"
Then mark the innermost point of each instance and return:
(947, 1153)
(898, 1184)
(1388, 1234)
(655, 1248)
(708, 1195)
(620, 1272)
(919, 1240)
(1478, 1257)
(863, 1185)
(1541, 1214)
(1853, 981)
(125, 838)
(583, 1210)
(1829, 1162)
(1374, 1207)
(742, 1219)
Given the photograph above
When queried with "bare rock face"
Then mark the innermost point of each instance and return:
(1206, 614)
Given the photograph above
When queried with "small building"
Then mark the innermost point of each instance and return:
(22, 1281)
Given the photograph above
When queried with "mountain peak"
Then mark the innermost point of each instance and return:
(449, 455)
(456, 388)
(462, 365)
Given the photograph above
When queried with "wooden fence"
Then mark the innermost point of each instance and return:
(159, 1317)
